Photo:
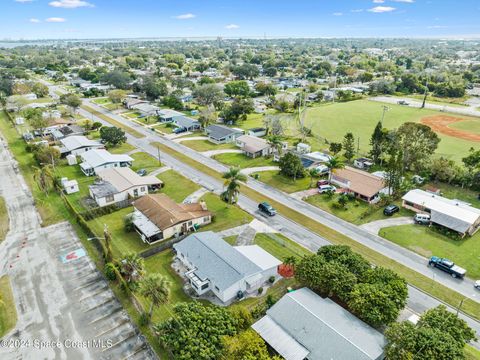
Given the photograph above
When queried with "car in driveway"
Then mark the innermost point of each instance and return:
(477, 285)
(266, 208)
(448, 266)
(422, 219)
(179, 130)
(326, 188)
(390, 210)
(322, 182)
(142, 172)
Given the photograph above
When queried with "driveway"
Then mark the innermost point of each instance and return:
(59, 294)
(190, 138)
(211, 153)
(375, 226)
(248, 171)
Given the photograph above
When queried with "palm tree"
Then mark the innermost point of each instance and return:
(233, 177)
(44, 177)
(290, 261)
(332, 164)
(132, 268)
(312, 172)
(276, 143)
(155, 288)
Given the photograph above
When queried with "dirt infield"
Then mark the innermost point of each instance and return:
(440, 124)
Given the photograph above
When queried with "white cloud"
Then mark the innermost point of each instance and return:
(381, 9)
(70, 4)
(232, 26)
(185, 16)
(33, 20)
(405, 1)
(378, 1)
(55, 20)
(337, 14)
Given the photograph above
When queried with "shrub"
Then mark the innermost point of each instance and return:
(144, 319)
(271, 279)
(260, 290)
(110, 273)
(128, 223)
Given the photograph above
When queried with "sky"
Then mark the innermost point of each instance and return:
(82, 19)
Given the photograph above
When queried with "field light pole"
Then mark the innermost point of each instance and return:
(385, 109)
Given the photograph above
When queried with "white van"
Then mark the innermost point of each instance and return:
(422, 219)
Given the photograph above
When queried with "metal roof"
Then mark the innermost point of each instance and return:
(322, 327)
(216, 260)
(259, 256)
(77, 142)
(125, 178)
(98, 157)
(219, 132)
(184, 121)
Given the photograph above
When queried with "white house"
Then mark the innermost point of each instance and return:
(253, 146)
(120, 184)
(229, 272)
(452, 214)
(97, 159)
(76, 145)
(167, 115)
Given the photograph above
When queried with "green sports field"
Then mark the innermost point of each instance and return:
(332, 121)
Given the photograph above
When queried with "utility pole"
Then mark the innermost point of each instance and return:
(460, 305)
(425, 95)
(385, 109)
(158, 156)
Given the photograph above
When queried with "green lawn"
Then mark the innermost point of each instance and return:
(226, 216)
(205, 145)
(101, 101)
(177, 186)
(8, 312)
(122, 242)
(243, 161)
(426, 242)
(332, 121)
(132, 115)
(144, 161)
(472, 126)
(356, 211)
(471, 353)
(456, 192)
(456, 102)
(281, 182)
(121, 149)
(4, 220)
(280, 246)
(165, 128)
(116, 123)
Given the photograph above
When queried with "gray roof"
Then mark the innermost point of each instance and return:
(185, 122)
(323, 328)
(219, 132)
(80, 141)
(215, 259)
(98, 157)
(102, 189)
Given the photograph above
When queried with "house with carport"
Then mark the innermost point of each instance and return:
(253, 146)
(77, 145)
(98, 159)
(220, 134)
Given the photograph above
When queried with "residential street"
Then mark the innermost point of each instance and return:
(61, 298)
(418, 301)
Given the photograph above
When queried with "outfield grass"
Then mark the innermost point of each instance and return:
(472, 126)
(281, 182)
(177, 186)
(8, 312)
(332, 121)
(116, 123)
(427, 242)
(243, 161)
(121, 149)
(205, 145)
(144, 161)
(355, 211)
(226, 216)
(4, 220)
(280, 246)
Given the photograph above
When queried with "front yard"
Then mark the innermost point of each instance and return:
(121, 149)
(280, 246)
(226, 216)
(243, 161)
(428, 242)
(177, 186)
(281, 182)
(144, 161)
(205, 145)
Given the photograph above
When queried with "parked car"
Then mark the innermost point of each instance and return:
(142, 172)
(179, 130)
(422, 219)
(267, 209)
(448, 266)
(322, 169)
(322, 182)
(477, 285)
(402, 102)
(326, 188)
(390, 210)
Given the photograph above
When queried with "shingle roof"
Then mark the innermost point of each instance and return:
(218, 132)
(361, 182)
(165, 213)
(125, 178)
(185, 122)
(77, 142)
(97, 157)
(253, 144)
(216, 260)
(100, 190)
(169, 113)
(322, 327)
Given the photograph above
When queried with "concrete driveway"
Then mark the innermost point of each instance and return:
(375, 226)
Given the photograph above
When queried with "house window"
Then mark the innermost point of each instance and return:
(206, 219)
(204, 286)
(190, 223)
(109, 198)
(216, 288)
(142, 189)
(135, 192)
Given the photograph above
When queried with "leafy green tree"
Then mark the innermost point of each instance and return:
(39, 89)
(232, 184)
(154, 88)
(237, 88)
(394, 171)
(132, 268)
(46, 155)
(377, 142)
(246, 346)
(172, 102)
(35, 119)
(207, 116)
(71, 100)
(208, 94)
(117, 78)
(112, 135)
(291, 166)
(197, 331)
(335, 148)
(245, 71)
(156, 289)
(117, 96)
(265, 89)
(238, 110)
(344, 255)
(349, 146)
(313, 173)
(44, 178)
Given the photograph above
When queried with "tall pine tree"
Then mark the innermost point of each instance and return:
(377, 142)
(349, 146)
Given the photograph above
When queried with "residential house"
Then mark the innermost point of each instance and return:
(146, 109)
(66, 131)
(97, 159)
(185, 122)
(130, 102)
(258, 132)
(120, 184)
(220, 134)
(229, 272)
(167, 115)
(157, 217)
(303, 325)
(363, 185)
(452, 214)
(78, 144)
(253, 146)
